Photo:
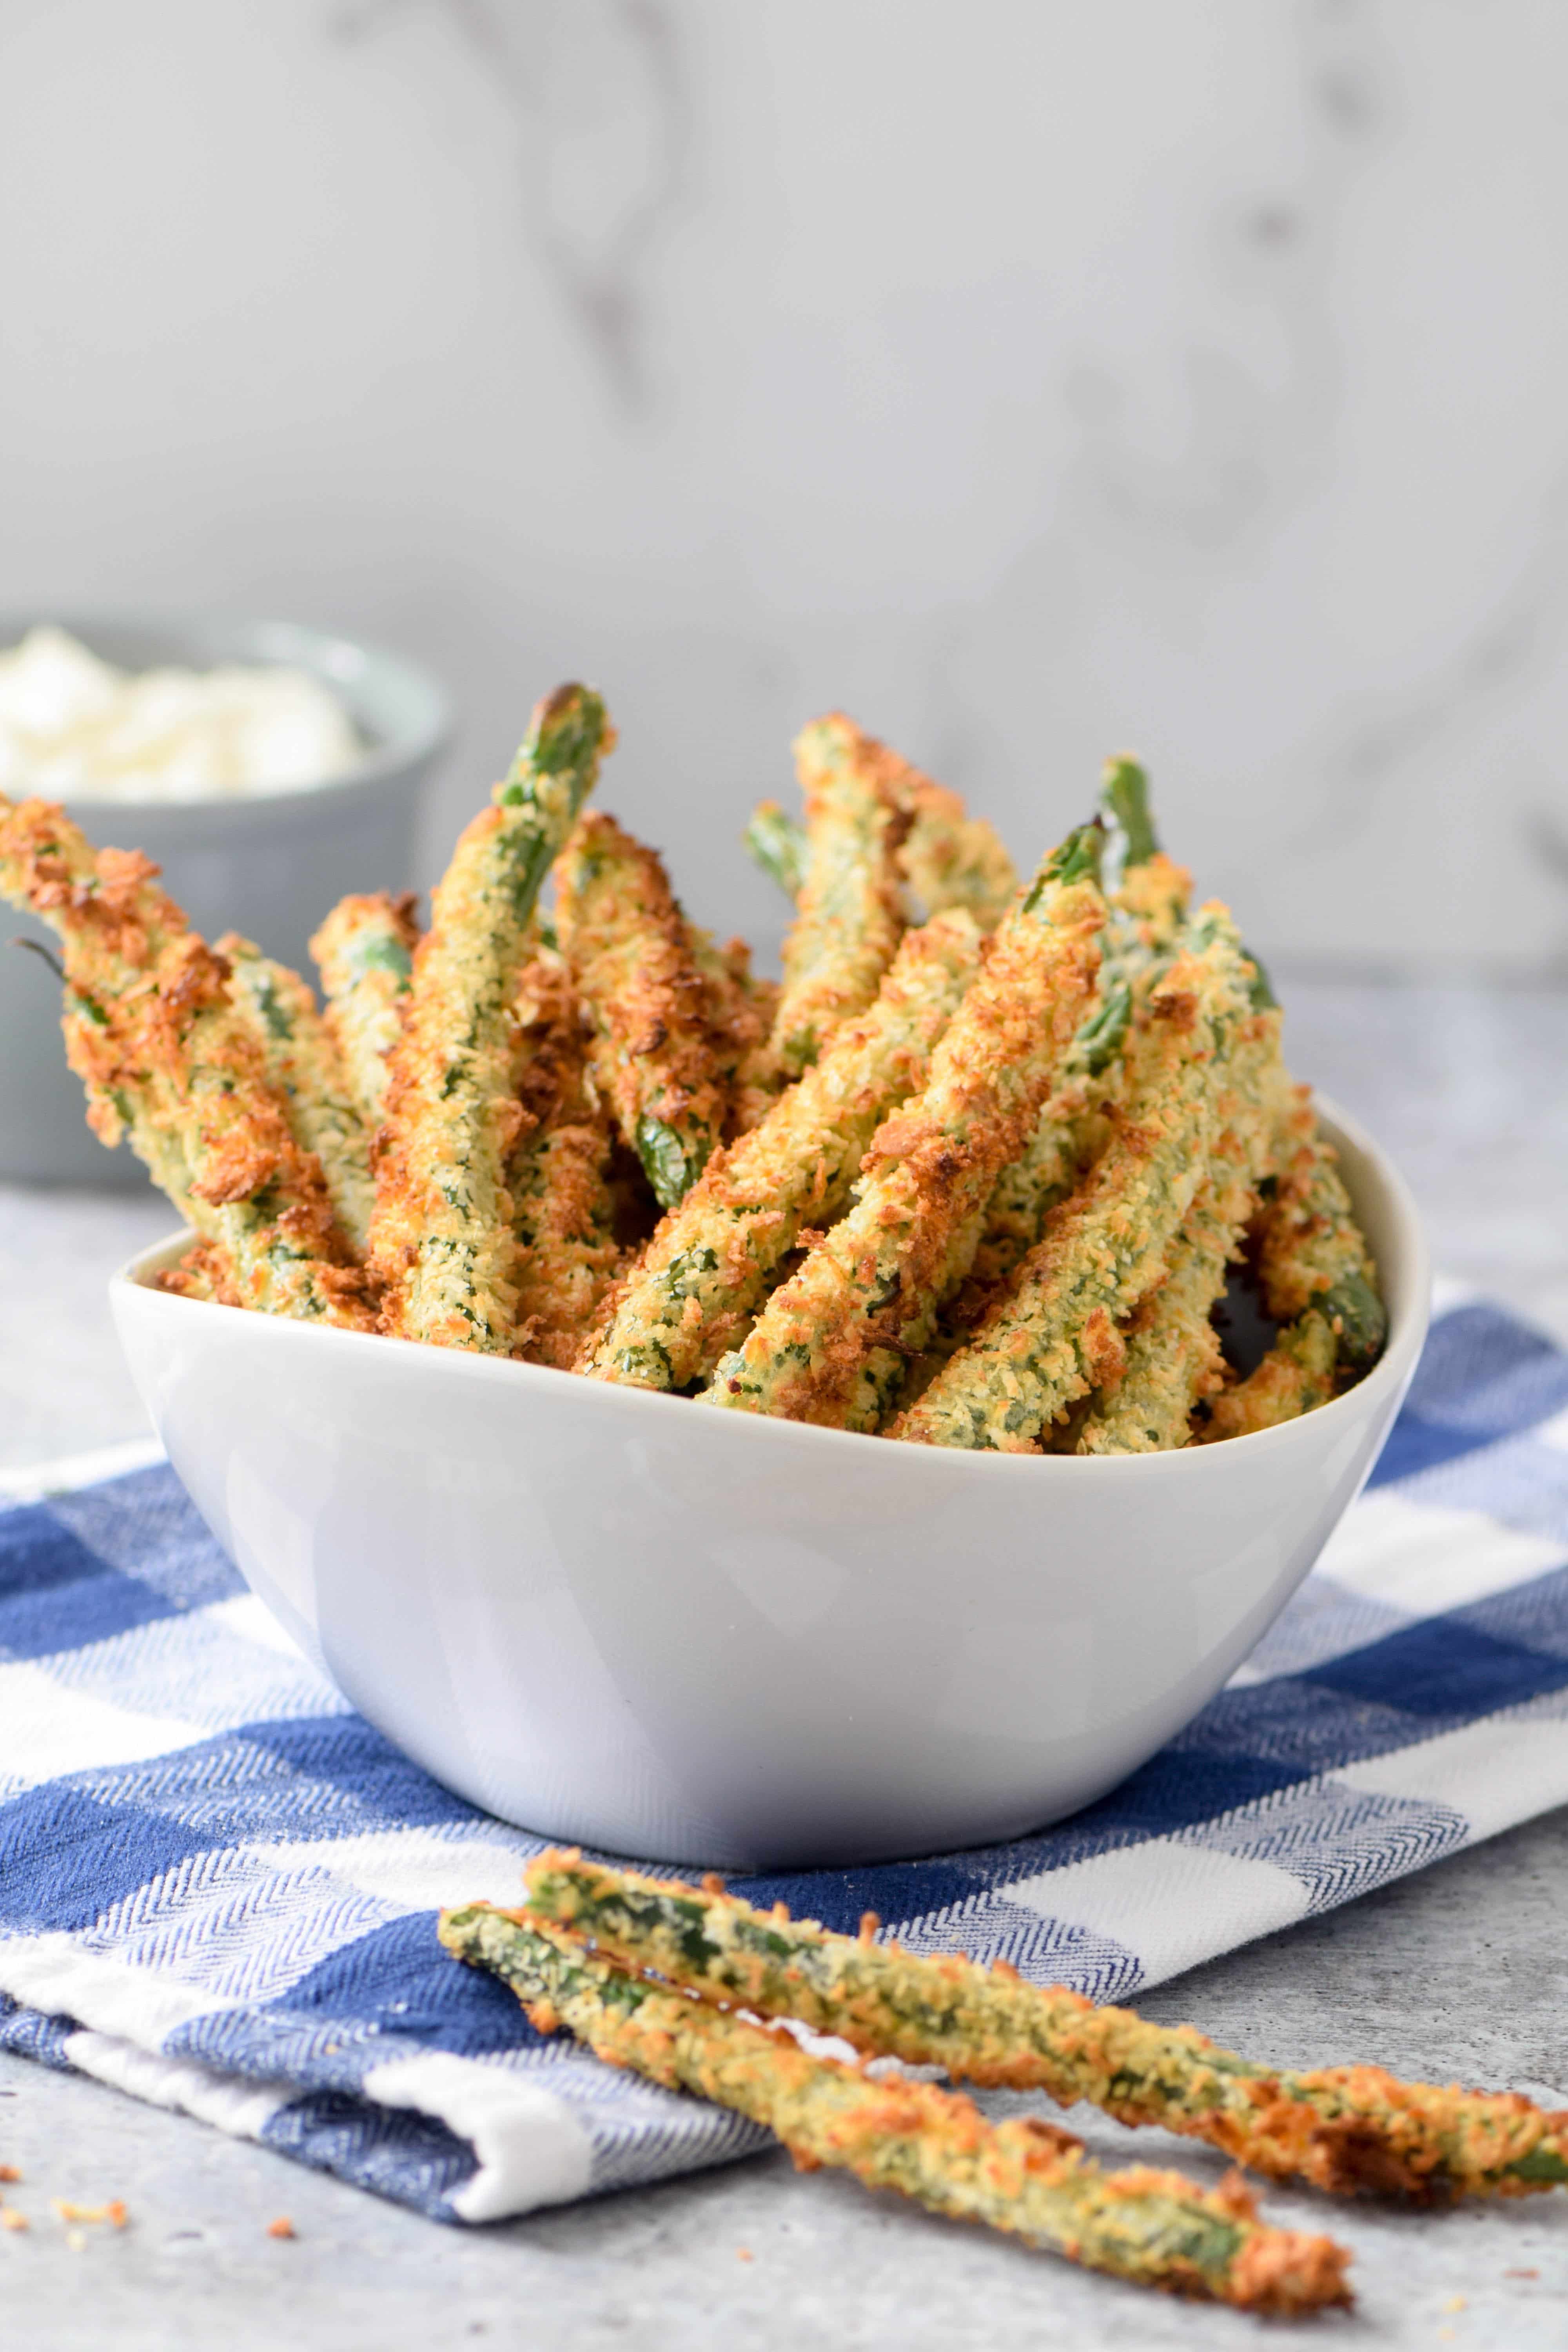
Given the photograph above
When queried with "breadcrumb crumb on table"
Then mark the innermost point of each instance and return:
(114, 2211)
(281, 2228)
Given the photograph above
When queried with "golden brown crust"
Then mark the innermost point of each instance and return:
(1052, 1335)
(849, 908)
(301, 1056)
(696, 1285)
(203, 1272)
(151, 1032)
(948, 857)
(741, 1010)
(874, 1281)
(365, 954)
(656, 1060)
(563, 1205)
(441, 1239)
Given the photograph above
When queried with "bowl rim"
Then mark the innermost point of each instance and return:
(299, 644)
(1407, 1330)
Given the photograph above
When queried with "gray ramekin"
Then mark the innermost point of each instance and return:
(268, 867)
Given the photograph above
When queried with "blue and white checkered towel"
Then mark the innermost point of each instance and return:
(218, 1886)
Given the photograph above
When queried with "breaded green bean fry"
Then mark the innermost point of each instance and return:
(1345, 2128)
(948, 857)
(303, 1063)
(1317, 1277)
(634, 964)
(1312, 1253)
(1295, 1377)
(1173, 1358)
(849, 912)
(1146, 911)
(442, 1239)
(1155, 2229)
(170, 1064)
(740, 1014)
(712, 1260)
(1150, 901)
(1053, 1337)
(562, 1211)
(873, 1279)
(779, 847)
(365, 954)
(1173, 1352)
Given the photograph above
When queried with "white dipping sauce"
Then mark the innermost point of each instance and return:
(75, 728)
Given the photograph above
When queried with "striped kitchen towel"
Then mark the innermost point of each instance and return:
(218, 1885)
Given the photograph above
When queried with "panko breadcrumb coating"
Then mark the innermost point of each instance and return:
(1295, 1377)
(1311, 1252)
(848, 908)
(204, 1273)
(1025, 2176)
(303, 1063)
(740, 1014)
(1053, 1337)
(442, 1240)
(365, 954)
(563, 1210)
(948, 857)
(712, 1260)
(635, 968)
(170, 1064)
(873, 1279)
(1173, 1358)
(1145, 913)
(1344, 2128)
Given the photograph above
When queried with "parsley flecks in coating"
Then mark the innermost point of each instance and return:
(1025, 2176)
(442, 1240)
(712, 1260)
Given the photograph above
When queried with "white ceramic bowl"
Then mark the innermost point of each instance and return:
(631, 1621)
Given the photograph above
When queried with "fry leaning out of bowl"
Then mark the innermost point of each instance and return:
(975, 1173)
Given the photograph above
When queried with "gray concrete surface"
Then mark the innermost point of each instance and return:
(1460, 1972)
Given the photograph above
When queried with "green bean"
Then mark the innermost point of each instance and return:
(302, 1061)
(1312, 1252)
(848, 915)
(562, 1211)
(1296, 1376)
(779, 847)
(948, 857)
(1343, 2129)
(712, 1260)
(442, 1240)
(1024, 2177)
(1052, 1336)
(171, 1064)
(634, 962)
(872, 1279)
(365, 954)
(1173, 1352)
(1146, 911)
(1173, 1357)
